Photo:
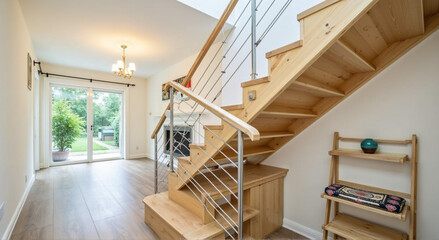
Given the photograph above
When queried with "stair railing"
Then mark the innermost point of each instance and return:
(214, 178)
(227, 160)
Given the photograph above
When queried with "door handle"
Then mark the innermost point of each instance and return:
(91, 127)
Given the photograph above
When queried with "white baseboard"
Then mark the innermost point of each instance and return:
(10, 228)
(137, 156)
(301, 229)
(150, 156)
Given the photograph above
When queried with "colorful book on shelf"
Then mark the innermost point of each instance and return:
(382, 201)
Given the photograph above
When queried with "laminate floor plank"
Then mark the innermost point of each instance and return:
(45, 233)
(34, 215)
(100, 200)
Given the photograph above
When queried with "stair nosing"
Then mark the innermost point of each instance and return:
(316, 8)
(255, 82)
(284, 49)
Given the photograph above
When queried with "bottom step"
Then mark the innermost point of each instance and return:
(169, 220)
(353, 228)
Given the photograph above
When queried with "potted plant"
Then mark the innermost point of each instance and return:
(66, 128)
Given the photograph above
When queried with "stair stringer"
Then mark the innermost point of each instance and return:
(324, 28)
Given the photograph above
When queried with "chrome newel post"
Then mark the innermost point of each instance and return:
(155, 166)
(171, 132)
(254, 41)
(240, 184)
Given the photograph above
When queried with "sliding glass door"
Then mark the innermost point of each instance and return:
(107, 110)
(86, 124)
(69, 124)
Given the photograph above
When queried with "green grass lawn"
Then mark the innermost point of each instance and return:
(80, 145)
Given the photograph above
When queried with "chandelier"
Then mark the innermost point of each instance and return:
(120, 68)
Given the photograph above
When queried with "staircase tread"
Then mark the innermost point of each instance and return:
(253, 175)
(316, 8)
(233, 107)
(214, 127)
(201, 233)
(272, 134)
(255, 82)
(181, 219)
(316, 90)
(285, 48)
(197, 145)
(286, 114)
(250, 151)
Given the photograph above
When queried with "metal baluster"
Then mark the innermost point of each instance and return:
(155, 165)
(254, 43)
(240, 183)
(171, 124)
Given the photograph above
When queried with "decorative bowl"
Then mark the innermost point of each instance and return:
(369, 146)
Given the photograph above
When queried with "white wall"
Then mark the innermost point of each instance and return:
(401, 101)
(16, 109)
(136, 105)
(155, 106)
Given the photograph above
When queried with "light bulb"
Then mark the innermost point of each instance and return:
(120, 64)
(114, 68)
(132, 67)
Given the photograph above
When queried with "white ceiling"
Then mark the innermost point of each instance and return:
(87, 34)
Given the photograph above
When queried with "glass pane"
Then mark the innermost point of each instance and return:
(106, 125)
(69, 124)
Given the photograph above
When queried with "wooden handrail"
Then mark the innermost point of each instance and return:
(246, 128)
(229, 9)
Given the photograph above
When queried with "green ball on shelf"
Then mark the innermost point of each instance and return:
(369, 145)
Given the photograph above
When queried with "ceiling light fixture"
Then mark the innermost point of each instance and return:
(120, 68)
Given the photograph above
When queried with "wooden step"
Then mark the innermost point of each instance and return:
(401, 216)
(285, 48)
(255, 82)
(248, 213)
(198, 145)
(254, 175)
(316, 8)
(378, 156)
(317, 89)
(266, 135)
(287, 114)
(214, 127)
(233, 107)
(185, 159)
(342, 54)
(169, 220)
(248, 152)
(354, 228)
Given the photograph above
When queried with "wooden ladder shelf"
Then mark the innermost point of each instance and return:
(354, 228)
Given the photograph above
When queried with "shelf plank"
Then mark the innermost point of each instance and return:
(401, 216)
(379, 156)
(354, 228)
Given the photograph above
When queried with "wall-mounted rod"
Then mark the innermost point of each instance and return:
(40, 71)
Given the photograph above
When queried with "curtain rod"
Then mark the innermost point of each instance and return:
(40, 71)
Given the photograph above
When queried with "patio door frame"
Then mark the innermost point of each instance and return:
(90, 88)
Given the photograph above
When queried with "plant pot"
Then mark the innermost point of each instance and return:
(59, 156)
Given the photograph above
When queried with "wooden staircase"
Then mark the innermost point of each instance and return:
(344, 44)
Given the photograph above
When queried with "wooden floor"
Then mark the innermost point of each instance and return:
(93, 201)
